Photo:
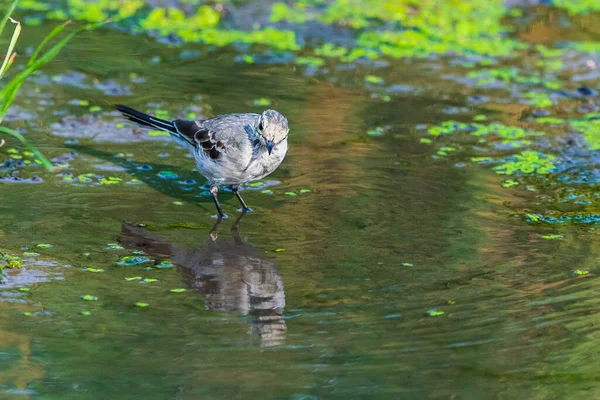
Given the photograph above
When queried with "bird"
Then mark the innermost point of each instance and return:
(229, 149)
(230, 276)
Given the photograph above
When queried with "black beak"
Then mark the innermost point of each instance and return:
(270, 145)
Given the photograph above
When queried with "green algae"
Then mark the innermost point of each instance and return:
(177, 290)
(141, 304)
(89, 297)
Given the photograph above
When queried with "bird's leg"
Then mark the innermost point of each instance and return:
(213, 191)
(235, 189)
(234, 229)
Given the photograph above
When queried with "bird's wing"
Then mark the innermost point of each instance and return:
(219, 135)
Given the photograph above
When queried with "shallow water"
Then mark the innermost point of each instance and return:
(374, 268)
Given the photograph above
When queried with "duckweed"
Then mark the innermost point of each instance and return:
(8, 261)
(435, 313)
(129, 261)
(528, 162)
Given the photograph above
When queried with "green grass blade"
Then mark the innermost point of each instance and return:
(11, 46)
(10, 10)
(49, 37)
(31, 147)
(8, 93)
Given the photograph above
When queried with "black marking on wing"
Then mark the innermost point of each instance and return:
(187, 129)
(201, 137)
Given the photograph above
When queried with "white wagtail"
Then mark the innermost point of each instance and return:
(230, 149)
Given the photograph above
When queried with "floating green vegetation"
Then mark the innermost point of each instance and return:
(267, 191)
(89, 297)
(410, 28)
(141, 304)
(538, 99)
(504, 132)
(377, 131)
(114, 246)
(528, 162)
(435, 313)
(24, 289)
(445, 150)
(86, 313)
(550, 120)
(94, 270)
(510, 75)
(149, 280)
(111, 180)
(129, 261)
(8, 261)
(167, 175)
(574, 7)
(178, 203)
(552, 237)
(279, 250)
(44, 246)
(177, 290)
(408, 265)
(261, 102)
(133, 278)
(591, 131)
(373, 79)
(586, 47)
(313, 61)
(165, 265)
(509, 183)
(290, 194)
(580, 272)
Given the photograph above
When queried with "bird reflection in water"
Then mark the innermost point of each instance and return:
(230, 276)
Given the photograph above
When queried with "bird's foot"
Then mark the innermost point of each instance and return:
(217, 216)
(244, 210)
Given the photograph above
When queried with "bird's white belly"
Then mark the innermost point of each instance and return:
(228, 171)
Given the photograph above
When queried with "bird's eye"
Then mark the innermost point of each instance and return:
(260, 125)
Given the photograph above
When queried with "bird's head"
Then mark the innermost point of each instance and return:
(272, 128)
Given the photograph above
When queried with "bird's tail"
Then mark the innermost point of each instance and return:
(145, 120)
